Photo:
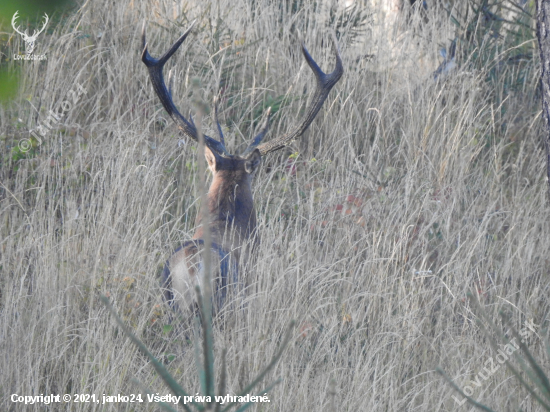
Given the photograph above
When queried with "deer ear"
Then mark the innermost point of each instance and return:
(253, 160)
(211, 159)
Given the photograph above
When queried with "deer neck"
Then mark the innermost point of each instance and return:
(231, 209)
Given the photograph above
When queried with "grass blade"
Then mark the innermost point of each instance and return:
(159, 367)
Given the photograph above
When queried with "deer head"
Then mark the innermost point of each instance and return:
(230, 203)
(29, 40)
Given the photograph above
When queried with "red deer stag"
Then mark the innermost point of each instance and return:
(229, 200)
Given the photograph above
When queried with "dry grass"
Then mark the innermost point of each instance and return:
(420, 192)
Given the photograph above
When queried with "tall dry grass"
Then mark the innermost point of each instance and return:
(407, 193)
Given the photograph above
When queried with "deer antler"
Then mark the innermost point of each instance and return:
(13, 24)
(36, 33)
(325, 82)
(155, 73)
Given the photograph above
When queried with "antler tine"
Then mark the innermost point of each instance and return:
(155, 67)
(325, 82)
(219, 128)
(258, 139)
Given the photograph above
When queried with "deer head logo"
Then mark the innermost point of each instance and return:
(29, 40)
